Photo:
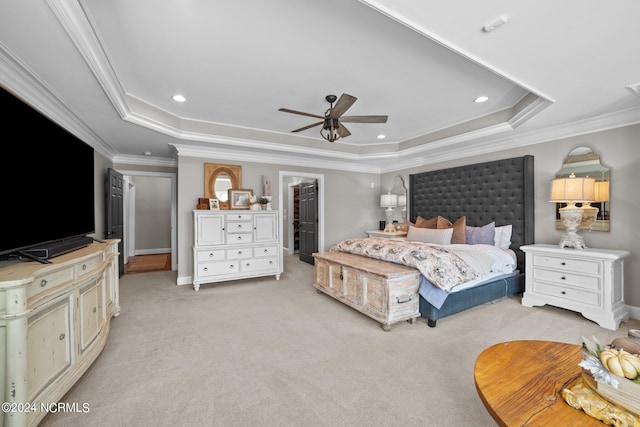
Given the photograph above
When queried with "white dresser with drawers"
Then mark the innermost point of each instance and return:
(231, 245)
(589, 281)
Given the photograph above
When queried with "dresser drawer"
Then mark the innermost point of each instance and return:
(258, 264)
(234, 238)
(208, 269)
(88, 265)
(561, 278)
(569, 294)
(240, 217)
(265, 251)
(203, 256)
(50, 281)
(239, 227)
(239, 253)
(567, 264)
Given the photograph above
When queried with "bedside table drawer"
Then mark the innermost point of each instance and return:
(567, 264)
(569, 294)
(591, 283)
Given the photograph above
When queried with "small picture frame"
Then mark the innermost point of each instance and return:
(239, 198)
(214, 204)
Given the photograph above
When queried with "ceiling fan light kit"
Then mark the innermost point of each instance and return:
(332, 128)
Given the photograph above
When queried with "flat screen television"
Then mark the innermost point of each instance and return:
(48, 205)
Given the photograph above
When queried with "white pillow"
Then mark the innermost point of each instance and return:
(502, 237)
(430, 235)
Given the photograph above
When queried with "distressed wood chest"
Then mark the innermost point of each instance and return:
(384, 291)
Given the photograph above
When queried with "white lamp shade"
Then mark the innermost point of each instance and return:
(602, 191)
(573, 189)
(388, 200)
(402, 200)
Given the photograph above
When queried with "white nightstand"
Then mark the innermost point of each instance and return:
(589, 281)
(380, 233)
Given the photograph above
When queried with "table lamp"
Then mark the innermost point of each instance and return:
(571, 190)
(389, 201)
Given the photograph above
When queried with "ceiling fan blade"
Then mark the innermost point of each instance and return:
(286, 110)
(308, 127)
(342, 105)
(343, 131)
(364, 119)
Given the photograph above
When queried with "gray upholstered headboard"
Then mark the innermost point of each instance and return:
(500, 191)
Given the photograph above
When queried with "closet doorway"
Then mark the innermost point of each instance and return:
(288, 181)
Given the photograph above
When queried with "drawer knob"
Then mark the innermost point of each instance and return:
(563, 278)
(211, 255)
(563, 292)
(341, 276)
(205, 269)
(247, 265)
(84, 266)
(239, 252)
(239, 237)
(239, 225)
(231, 266)
(563, 263)
(43, 283)
(61, 337)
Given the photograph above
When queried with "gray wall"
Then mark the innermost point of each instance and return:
(153, 213)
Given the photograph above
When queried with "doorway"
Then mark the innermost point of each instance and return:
(287, 179)
(130, 209)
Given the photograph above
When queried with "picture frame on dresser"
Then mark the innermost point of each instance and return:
(214, 204)
(240, 198)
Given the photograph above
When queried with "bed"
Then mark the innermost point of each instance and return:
(498, 192)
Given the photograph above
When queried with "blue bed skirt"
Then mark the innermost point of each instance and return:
(471, 297)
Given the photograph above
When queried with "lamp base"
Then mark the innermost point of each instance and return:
(571, 217)
(572, 240)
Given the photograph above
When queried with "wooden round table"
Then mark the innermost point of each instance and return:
(521, 383)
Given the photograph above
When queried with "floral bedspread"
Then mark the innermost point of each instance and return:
(441, 266)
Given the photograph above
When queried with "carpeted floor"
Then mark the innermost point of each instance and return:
(261, 352)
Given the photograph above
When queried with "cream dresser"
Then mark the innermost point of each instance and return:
(230, 245)
(589, 281)
(54, 322)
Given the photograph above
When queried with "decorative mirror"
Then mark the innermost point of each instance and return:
(398, 188)
(218, 179)
(583, 162)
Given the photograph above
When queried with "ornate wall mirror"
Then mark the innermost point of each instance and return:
(398, 188)
(218, 179)
(583, 162)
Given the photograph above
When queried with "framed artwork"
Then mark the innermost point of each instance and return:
(239, 198)
(214, 204)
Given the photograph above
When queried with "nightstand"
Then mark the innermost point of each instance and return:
(589, 281)
(380, 233)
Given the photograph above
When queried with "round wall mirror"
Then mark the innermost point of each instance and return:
(219, 179)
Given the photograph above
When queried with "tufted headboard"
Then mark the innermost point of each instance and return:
(500, 191)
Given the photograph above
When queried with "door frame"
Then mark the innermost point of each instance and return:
(174, 200)
(320, 179)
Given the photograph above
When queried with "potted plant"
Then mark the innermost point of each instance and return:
(263, 200)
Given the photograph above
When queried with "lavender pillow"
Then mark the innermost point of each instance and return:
(481, 235)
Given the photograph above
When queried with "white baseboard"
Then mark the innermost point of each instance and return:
(634, 312)
(153, 251)
(184, 280)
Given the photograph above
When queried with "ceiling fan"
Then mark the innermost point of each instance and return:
(332, 127)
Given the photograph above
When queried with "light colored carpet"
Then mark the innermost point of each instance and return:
(262, 352)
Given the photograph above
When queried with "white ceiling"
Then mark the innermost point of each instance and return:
(107, 71)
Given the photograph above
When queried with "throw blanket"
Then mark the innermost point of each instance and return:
(441, 266)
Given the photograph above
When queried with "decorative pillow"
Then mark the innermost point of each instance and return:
(503, 236)
(427, 223)
(430, 235)
(484, 235)
(459, 229)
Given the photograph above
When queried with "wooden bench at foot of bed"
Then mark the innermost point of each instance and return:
(384, 291)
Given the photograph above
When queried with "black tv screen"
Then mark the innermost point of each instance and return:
(47, 177)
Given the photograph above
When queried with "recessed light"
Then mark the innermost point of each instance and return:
(147, 153)
(381, 136)
(179, 98)
(481, 99)
(498, 22)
